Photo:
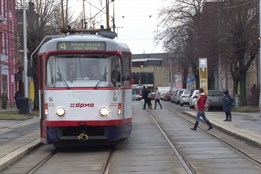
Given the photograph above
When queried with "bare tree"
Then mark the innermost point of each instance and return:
(40, 15)
(224, 30)
(43, 18)
(186, 30)
(239, 40)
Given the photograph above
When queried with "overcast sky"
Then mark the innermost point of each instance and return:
(136, 22)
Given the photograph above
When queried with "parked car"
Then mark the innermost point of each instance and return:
(177, 96)
(172, 98)
(163, 91)
(193, 98)
(168, 95)
(185, 97)
(137, 93)
(215, 98)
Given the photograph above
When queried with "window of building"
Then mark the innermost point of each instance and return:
(4, 83)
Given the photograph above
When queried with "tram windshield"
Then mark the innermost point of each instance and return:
(81, 71)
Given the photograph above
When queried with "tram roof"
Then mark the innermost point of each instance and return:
(111, 45)
(145, 60)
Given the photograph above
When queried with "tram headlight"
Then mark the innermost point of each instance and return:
(60, 111)
(46, 109)
(119, 108)
(104, 111)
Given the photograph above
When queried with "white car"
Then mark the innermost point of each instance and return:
(185, 97)
(193, 99)
(177, 96)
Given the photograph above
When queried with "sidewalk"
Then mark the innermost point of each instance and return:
(246, 126)
(16, 148)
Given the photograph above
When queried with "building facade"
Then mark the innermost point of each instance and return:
(8, 48)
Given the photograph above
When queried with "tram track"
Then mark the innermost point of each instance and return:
(253, 160)
(188, 168)
(106, 168)
(185, 162)
(42, 162)
(91, 159)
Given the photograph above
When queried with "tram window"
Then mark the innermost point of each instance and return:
(115, 72)
(75, 71)
(126, 66)
(94, 73)
(71, 73)
(50, 73)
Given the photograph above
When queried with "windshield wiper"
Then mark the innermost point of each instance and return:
(62, 79)
(103, 77)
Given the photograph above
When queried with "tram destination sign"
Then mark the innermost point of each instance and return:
(81, 46)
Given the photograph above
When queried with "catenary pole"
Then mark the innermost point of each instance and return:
(25, 51)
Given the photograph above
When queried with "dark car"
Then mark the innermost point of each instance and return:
(215, 98)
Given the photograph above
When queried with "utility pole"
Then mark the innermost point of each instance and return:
(107, 14)
(220, 85)
(260, 57)
(25, 51)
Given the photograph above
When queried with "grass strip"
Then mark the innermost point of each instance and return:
(14, 115)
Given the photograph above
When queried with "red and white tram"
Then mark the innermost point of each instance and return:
(84, 89)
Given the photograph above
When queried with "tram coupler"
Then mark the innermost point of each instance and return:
(82, 137)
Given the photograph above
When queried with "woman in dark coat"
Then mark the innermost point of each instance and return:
(227, 106)
(4, 100)
(147, 100)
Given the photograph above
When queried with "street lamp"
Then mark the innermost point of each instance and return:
(25, 51)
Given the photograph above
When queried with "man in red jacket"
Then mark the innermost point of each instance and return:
(201, 110)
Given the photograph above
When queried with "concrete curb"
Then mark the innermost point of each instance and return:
(18, 154)
(241, 134)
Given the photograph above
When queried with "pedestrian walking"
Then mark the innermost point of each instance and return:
(149, 99)
(4, 99)
(227, 104)
(201, 110)
(145, 97)
(157, 98)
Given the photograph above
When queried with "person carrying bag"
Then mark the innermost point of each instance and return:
(200, 106)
